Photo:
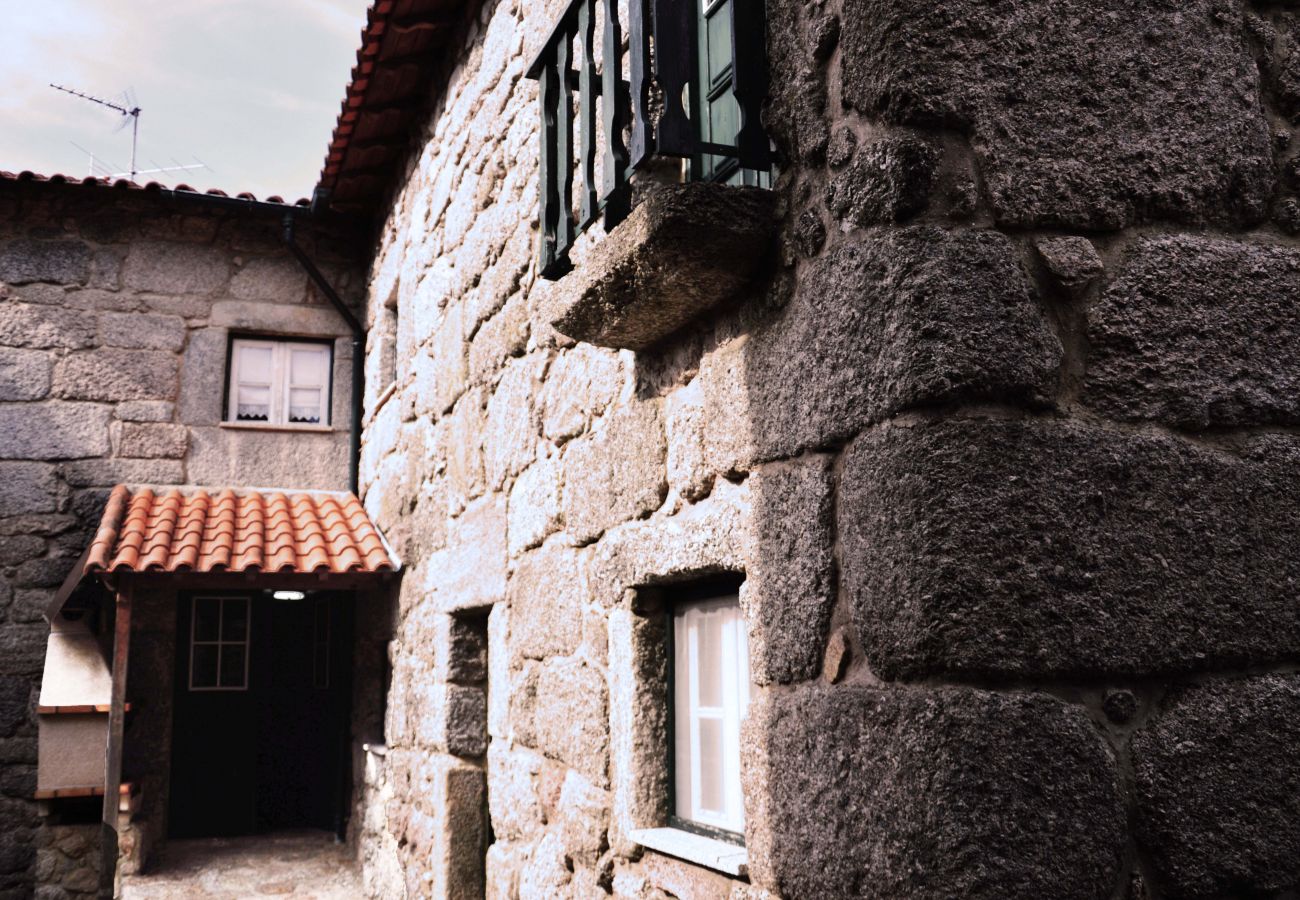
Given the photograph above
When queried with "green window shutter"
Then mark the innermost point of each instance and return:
(715, 106)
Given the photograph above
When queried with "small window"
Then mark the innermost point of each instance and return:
(219, 644)
(279, 382)
(710, 697)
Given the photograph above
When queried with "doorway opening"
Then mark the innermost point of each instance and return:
(261, 714)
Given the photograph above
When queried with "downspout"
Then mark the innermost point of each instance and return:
(358, 351)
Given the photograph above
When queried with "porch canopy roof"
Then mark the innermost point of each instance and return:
(252, 530)
(241, 534)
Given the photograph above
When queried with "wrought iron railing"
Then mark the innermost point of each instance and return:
(633, 107)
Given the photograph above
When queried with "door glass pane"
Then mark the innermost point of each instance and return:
(305, 405)
(308, 366)
(234, 625)
(253, 404)
(232, 665)
(204, 665)
(207, 619)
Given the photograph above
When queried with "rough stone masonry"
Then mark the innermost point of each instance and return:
(116, 309)
(1001, 434)
(1001, 438)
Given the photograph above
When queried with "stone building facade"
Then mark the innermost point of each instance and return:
(999, 436)
(116, 311)
(986, 410)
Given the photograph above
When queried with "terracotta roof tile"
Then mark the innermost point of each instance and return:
(125, 184)
(196, 531)
(403, 59)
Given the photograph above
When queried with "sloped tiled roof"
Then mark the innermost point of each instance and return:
(123, 184)
(246, 531)
(395, 79)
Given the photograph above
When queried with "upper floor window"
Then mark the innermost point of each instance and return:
(279, 382)
(690, 85)
(710, 697)
(713, 97)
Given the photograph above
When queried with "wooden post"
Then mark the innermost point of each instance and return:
(113, 756)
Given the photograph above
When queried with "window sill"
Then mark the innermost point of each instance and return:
(719, 856)
(684, 250)
(262, 426)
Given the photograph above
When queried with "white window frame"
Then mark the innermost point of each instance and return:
(221, 643)
(281, 386)
(687, 712)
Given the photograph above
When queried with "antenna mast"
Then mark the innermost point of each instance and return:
(133, 112)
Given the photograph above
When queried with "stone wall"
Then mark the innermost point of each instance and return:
(115, 311)
(1002, 441)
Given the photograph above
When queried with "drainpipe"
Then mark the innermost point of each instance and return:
(358, 350)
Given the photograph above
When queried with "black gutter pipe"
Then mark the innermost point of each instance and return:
(358, 350)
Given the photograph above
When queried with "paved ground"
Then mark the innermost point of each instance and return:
(296, 864)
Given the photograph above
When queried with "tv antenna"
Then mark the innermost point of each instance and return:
(129, 110)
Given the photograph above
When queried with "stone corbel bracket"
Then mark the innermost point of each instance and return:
(684, 250)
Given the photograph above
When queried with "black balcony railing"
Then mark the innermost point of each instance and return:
(632, 109)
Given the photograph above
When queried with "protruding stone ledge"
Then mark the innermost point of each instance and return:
(684, 250)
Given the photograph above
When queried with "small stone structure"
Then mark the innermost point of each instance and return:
(115, 311)
(998, 429)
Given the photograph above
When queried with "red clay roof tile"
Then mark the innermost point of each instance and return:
(125, 184)
(197, 531)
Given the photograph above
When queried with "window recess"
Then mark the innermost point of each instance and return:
(709, 696)
(284, 383)
(690, 86)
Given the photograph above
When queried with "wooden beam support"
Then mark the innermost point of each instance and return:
(113, 756)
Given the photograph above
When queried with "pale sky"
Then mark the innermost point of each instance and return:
(252, 88)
